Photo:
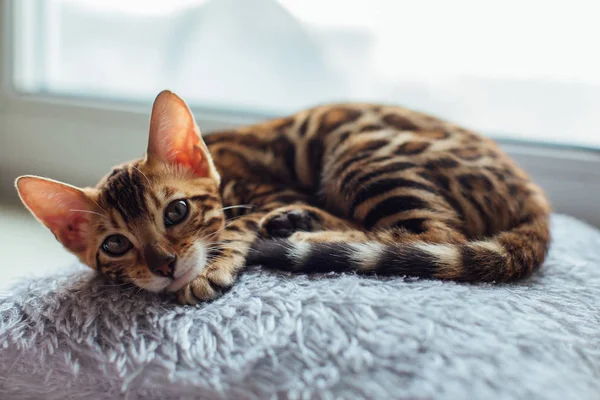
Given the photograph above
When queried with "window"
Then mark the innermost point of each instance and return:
(518, 69)
(77, 77)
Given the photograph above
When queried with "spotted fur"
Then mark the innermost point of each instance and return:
(343, 187)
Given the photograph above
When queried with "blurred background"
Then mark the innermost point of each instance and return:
(78, 78)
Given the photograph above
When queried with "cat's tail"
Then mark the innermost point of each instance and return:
(504, 257)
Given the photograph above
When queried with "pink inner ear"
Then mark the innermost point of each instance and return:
(62, 208)
(190, 154)
(174, 136)
(70, 230)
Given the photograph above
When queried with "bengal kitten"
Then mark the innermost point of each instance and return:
(344, 187)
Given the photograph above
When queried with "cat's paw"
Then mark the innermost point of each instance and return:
(211, 284)
(283, 222)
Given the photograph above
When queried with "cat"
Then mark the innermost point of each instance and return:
(365, 188)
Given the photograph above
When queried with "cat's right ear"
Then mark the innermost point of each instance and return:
(62, 208)
(175, 138)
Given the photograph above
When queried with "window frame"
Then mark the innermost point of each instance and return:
(570, 175)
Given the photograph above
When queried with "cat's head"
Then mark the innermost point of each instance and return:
(150, 222)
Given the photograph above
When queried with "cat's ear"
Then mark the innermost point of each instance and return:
(175, 137)
(62, 208)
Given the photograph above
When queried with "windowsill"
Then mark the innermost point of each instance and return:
(78, 141)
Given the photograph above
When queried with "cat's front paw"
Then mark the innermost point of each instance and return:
(283, 222)
(212, 283)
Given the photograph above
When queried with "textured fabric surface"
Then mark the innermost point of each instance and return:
(336, 336)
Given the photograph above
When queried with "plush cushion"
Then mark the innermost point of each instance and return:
(327, 336)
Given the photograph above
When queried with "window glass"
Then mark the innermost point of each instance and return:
(520, 69)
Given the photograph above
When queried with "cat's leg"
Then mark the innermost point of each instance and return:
(230, 246)
(288, 209)
(435, 233)
(227, 259)
(284, 221)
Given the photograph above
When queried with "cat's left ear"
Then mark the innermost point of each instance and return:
(175, 137)
(62, 208)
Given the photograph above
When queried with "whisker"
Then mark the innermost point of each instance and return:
(220, 245)
(87, 211)
(115, 284)
(98, 205)
(224, 242)
(223, 227)
(140, 171)
(238, 206)
(223, 248)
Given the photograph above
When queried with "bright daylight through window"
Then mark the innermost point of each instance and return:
(491, 68)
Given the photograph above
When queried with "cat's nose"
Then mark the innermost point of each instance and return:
(167, 268)
(160, 262)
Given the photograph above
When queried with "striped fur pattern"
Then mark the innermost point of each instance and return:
(361, 188)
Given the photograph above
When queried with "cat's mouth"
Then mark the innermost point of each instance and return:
(190, 268)
(182, 280)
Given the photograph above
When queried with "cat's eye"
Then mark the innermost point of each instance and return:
(176, 212)
(116, 245)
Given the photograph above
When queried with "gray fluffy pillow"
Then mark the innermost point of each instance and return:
(335, 336)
